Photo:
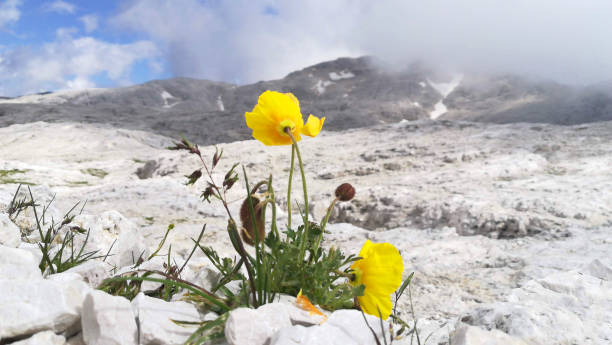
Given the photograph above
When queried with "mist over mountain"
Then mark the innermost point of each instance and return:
(349, 92)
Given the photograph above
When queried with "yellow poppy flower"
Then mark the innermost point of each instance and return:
(276, 111)
(380, 270)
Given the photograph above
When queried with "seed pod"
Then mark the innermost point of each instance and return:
(248, 228)
(345, 192)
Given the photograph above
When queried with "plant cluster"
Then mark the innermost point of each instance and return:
(59, 250)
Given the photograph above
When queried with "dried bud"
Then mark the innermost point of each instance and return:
(248, 228)
(345, 192)
(195, 176)
(208, 192)
(216, 157)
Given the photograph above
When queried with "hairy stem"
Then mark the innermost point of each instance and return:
(306, 222)
(289, 186)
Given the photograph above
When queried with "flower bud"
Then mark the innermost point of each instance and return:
(248, 228)
(345, 192)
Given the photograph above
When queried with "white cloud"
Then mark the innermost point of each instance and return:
(9, 12)
(60, 6)
(237, 40)
(90, 22)
(566, 40)
(70, 63)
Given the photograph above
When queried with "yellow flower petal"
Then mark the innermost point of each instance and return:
(313, 126)
(293, 98)
(380, 271)
(274, 113)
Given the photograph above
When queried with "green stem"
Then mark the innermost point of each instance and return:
(306, 222)
(324, 223)
(289, 186)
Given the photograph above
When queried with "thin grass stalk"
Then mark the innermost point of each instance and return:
(198, 291)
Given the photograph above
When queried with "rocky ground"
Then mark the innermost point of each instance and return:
(507, 227)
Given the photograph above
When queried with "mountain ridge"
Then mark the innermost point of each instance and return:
(350, 92)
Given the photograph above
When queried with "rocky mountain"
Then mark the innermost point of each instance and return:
(350, 92)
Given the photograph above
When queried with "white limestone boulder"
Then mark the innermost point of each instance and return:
(259, 326)
(577, 303)
(10, 235)
(256, 326)
(108, 228)
(470, 335)
(155, 320)
(46, 338)
(92, 272)
(18, 263)
(30, 306)
(108, 320)
(346, 327)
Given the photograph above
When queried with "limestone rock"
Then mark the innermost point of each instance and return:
(30, 306)
(18, 263)
(574, 302)
(46, 338)
(155, 320)
(470, 335)
(92, 272)
(346, 327)
(10, 235)
(255, 327)
(107, 228)
(108, 320)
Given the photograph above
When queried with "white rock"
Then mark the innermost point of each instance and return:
(108, 320)
(323, 335)
(470, 335)
(201, 272)
(346, 327)
(64, 277)
(46, 338)
(157, 264)
(574, 302)
(18, 263)
(107, 228)
(27, 306)
(155, 320)
(32, 248)
(255, 327)
(92, 272)
(10, 235)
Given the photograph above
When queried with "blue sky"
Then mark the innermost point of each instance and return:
(75, 44)
(58, 30)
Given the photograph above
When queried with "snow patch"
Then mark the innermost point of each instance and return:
(416, 104)
(220, 105)
(321, 85)
(165, 95)
(342, 75)
(439, 109)
(446, 88)
(422, 83)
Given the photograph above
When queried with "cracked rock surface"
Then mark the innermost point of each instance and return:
(507, 227)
